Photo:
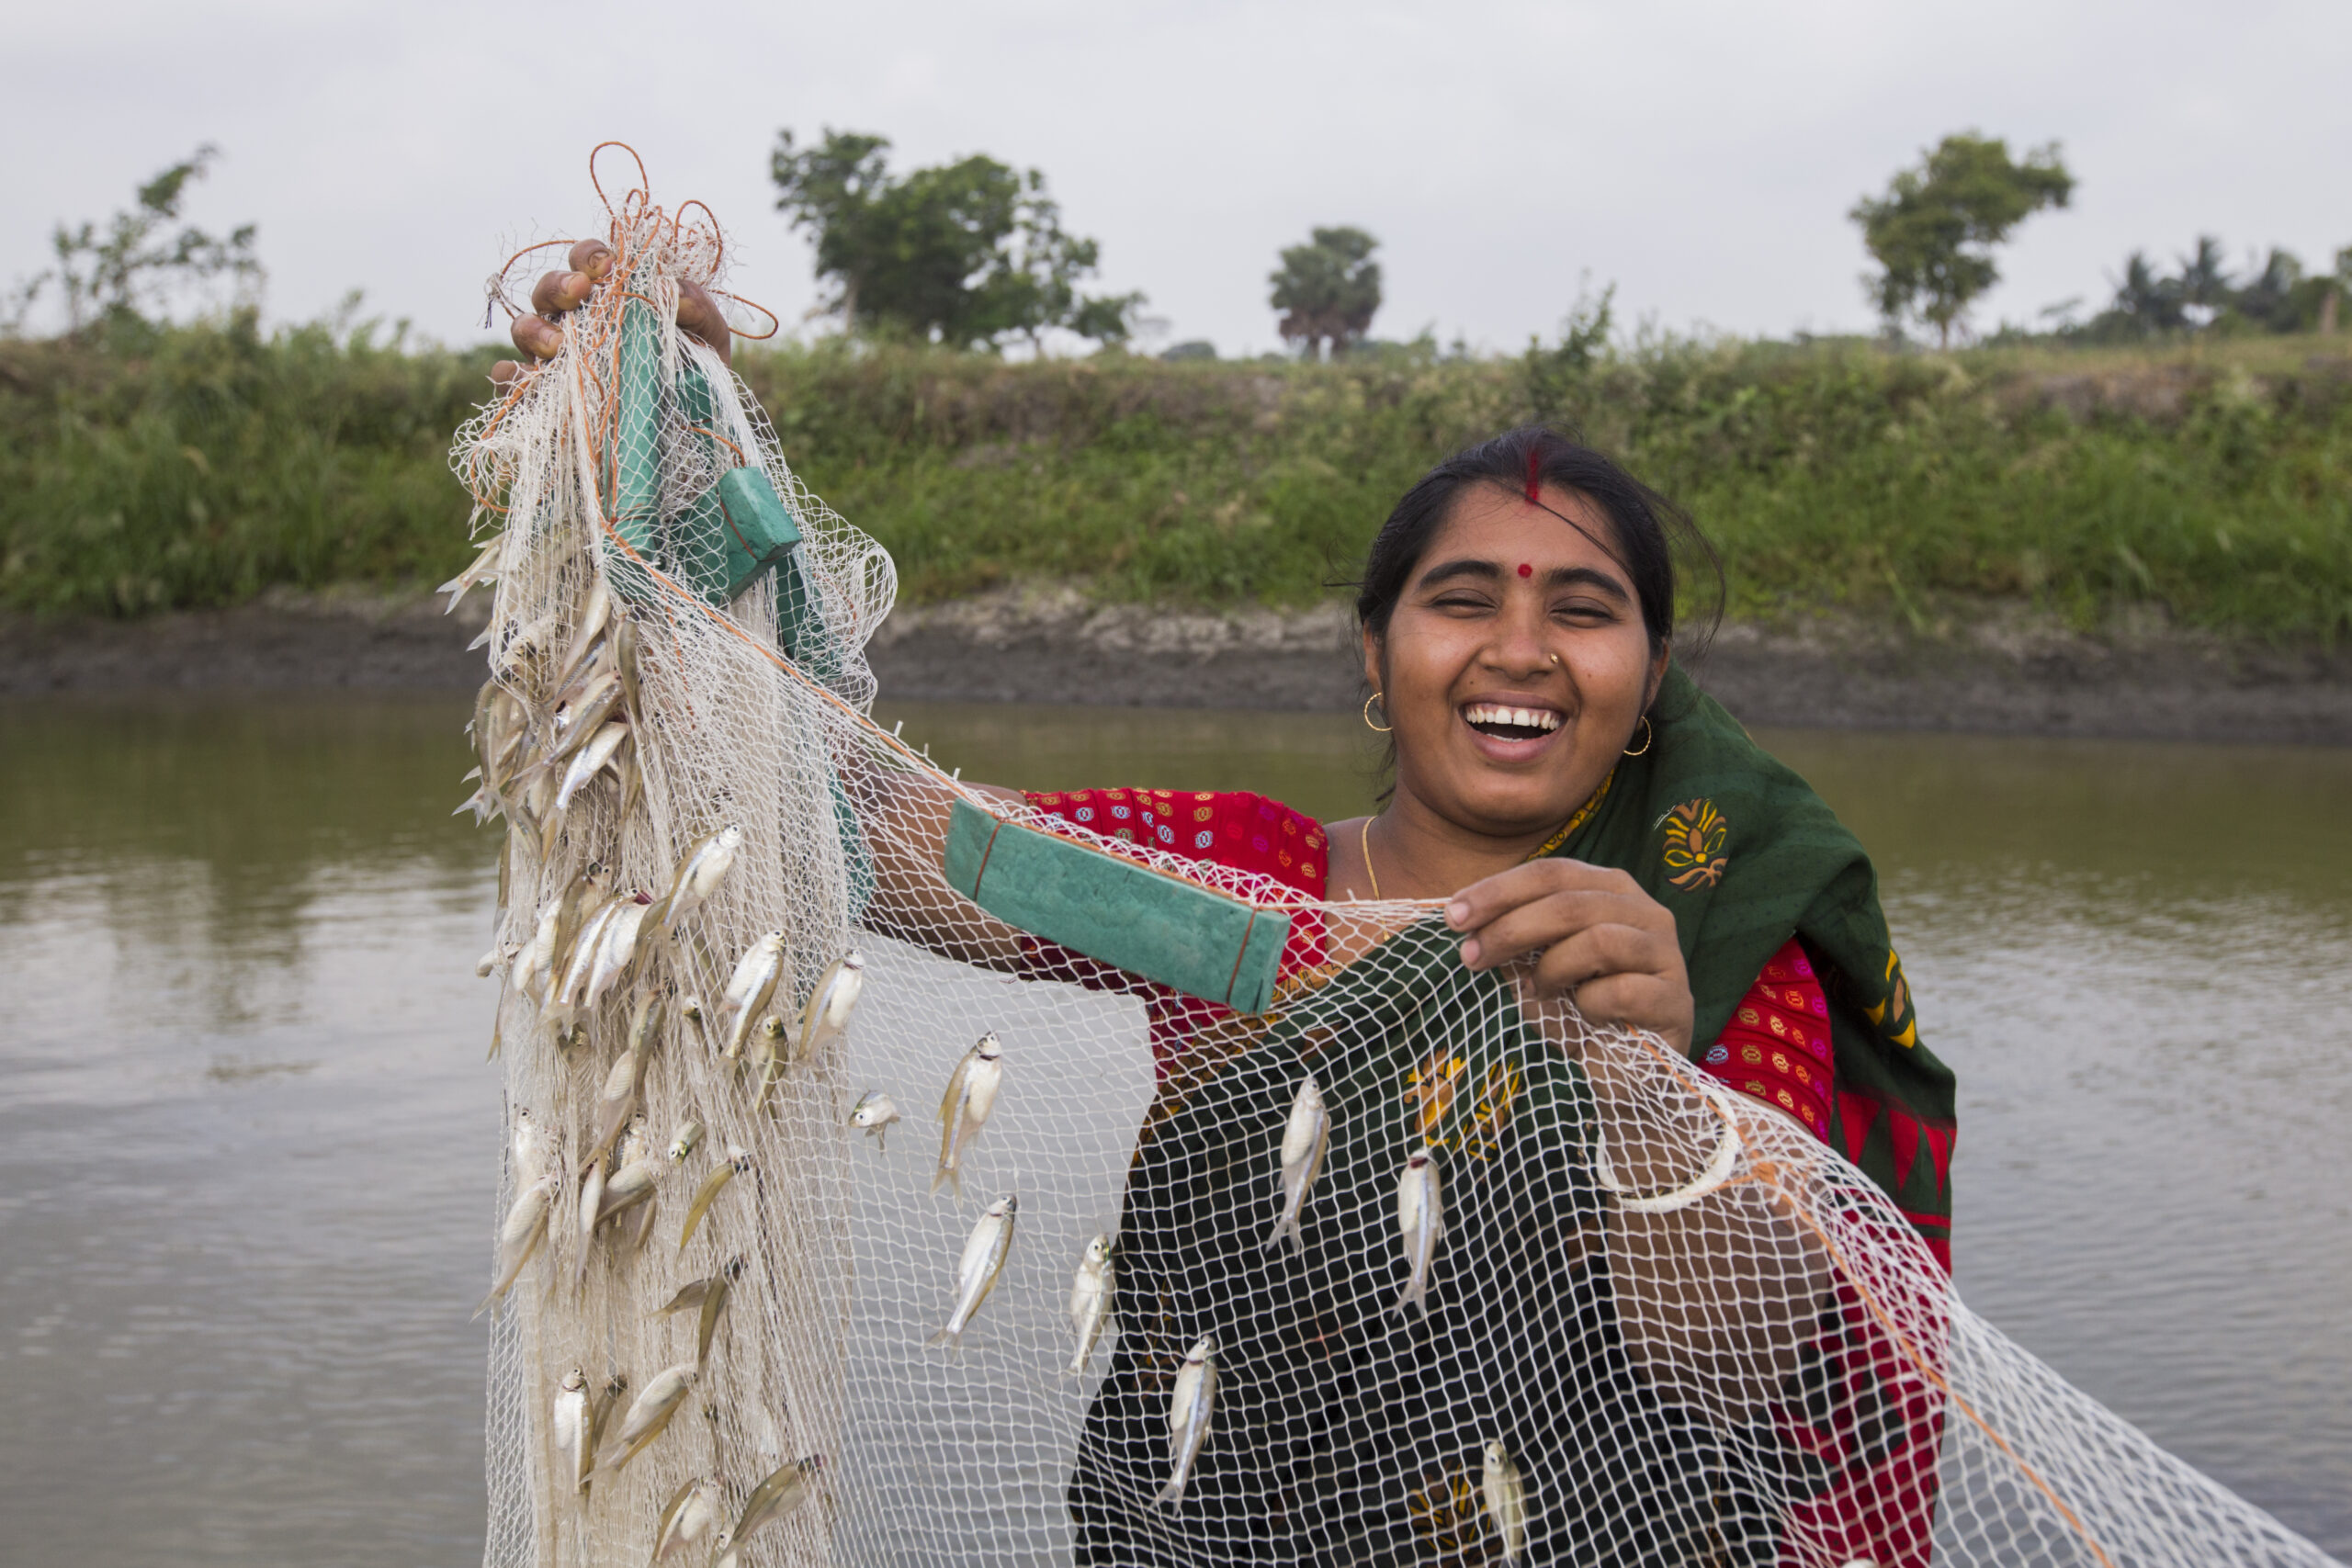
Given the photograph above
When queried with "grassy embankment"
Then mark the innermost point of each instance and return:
(2211, 482)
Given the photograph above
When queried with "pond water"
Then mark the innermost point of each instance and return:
(248, 1142)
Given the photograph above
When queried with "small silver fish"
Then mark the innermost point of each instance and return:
(625, 652)
(982, 1261)
(591, 1214)
(530, 1146)
(963, 1108)
(578, 723)
(771, 1062)
(590, 761)
(526, 649)
(570, 1429)
(624, 1080)
(779, 1496)
(685, 1141)
(690, 1294)
(1420, 1218)
(1190, 1404)
(1506, 1498)
(705, 866)
(875, 1111)
(633, 1182)
(525, 1228)
(616, 948)
(714, 1307)
(737, 1161)
(687, 1520)
(690, 1009)
(1091, 1295)
(535, 970)
(829, 1005)
(601, 1402)
(1305, 1137)
(648, 1416)
(755, 980)
(595, 610)
(484, 570)
(632, 779)
(584, 947)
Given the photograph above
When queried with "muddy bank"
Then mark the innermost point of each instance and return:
(2003, 671)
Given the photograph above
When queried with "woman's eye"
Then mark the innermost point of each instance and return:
(1585, 611)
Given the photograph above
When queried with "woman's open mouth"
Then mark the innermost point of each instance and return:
(1505, 722)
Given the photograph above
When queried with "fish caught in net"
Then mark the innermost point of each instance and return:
(899, 1172)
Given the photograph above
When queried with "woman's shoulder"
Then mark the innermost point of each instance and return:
(1233, 828)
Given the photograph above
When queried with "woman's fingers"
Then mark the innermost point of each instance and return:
(1620, 975)
(567, 289)
(560, 291)
(591, 256)
(538, 336)
(1482, 901)
(699, 314)
(1537, 925)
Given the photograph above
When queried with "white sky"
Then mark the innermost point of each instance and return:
(1701, 155)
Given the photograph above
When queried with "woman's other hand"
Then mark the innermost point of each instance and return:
(566, 289)
(1603, 943)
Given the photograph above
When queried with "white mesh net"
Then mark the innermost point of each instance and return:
(1655, 1322)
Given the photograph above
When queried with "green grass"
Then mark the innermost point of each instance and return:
(197, 465)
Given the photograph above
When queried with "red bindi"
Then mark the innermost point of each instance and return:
(1525, 569)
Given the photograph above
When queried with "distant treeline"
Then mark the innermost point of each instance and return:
(143, 467)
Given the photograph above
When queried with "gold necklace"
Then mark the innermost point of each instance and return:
(1584, 815)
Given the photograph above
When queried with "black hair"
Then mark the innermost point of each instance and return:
(1647, 527)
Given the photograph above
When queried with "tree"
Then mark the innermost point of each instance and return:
(140, 261)
(2204, 282)
(963, 254)
(2146, 302)
(1328, 289)
(1934, 231)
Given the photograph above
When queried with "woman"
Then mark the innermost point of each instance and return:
(1606, 833)
(1586, 811)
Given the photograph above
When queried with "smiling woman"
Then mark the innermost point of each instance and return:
(1608, 834)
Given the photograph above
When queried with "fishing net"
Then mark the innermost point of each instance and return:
(1553, 1295)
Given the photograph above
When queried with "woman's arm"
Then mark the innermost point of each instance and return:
(911, 899)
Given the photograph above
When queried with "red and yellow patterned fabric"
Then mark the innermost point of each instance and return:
(1228, 827)
(1776, 1048)
(1878, 1499)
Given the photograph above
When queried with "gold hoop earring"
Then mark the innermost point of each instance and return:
(1648, 735)
(1377, 728)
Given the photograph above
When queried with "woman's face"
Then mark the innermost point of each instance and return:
(1516, 664)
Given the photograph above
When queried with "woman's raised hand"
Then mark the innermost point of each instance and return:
(1604, 943)
(566, 289)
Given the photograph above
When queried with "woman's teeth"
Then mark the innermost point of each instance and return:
(1494, 718)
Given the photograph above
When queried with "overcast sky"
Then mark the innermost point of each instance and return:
(1701, 155)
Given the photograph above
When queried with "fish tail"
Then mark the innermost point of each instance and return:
(950, 1338)
(1285, 1226)
(951, 1176)
(1174, 1491)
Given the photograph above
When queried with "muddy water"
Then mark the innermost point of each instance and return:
(247, 1139)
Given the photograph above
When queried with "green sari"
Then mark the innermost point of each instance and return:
(1746, 855)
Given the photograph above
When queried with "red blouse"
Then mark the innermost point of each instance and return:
(1776, 1048)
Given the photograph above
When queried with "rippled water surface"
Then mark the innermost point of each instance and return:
(248, 1142)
